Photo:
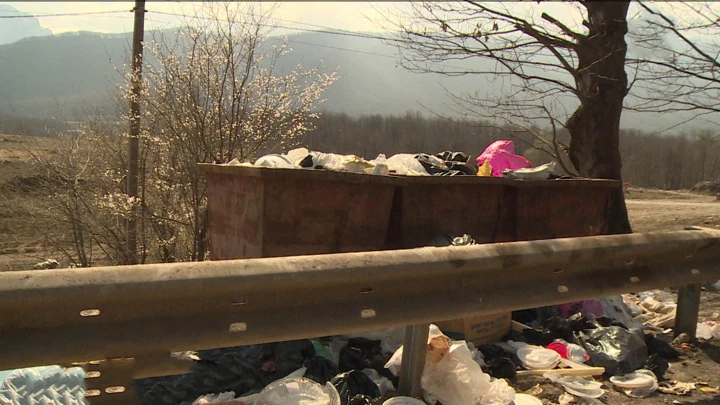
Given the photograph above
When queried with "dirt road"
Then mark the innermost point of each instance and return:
(648, 215)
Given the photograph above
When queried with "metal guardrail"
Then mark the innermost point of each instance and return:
(76, 315)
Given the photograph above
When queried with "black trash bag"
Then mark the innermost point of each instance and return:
(560, 328)
(307, 161)
(614, 347)
(453, 156)
(360, 353)
(499, 363)
(658, 365)
(660, 347)
(461, 167)
(243, 369)
(355, 388)
(320, 369)
(357, 354)
(444, 168)
(500, 367)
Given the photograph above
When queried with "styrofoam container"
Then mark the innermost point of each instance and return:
(403, 401)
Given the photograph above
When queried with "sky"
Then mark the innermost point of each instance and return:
(350, 15)
(340, 15)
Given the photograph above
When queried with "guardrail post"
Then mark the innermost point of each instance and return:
(688, 306)
(413, 359)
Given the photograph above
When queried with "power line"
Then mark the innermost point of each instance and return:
(63, 14)
(325, 30)
(322, 30)
(334, 47)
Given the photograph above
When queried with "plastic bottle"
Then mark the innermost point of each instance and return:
(569, 351)
(576, 353)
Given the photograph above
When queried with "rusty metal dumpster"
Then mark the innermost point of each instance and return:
(261, 212)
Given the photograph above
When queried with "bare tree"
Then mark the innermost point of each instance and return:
(675, 59)
(543, 62)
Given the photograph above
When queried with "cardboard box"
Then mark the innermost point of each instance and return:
(480, 330)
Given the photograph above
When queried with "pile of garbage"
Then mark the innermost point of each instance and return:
(588, 348)
(363, 369)
(498, 160)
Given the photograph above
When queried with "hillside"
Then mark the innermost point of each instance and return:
(41, 73)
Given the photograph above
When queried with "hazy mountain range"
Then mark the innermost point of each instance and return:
(14, 29)
(41, 71)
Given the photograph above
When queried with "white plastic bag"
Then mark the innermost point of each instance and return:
(296, 155)
(406, 164)
(458, 380)
(274, 161)
(396, 360)
(381, 167)
(704, 331)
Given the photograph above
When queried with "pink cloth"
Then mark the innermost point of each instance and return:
(501, 155)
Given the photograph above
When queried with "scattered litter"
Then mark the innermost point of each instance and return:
(636, 385)
(298, 391)
(356, 388)
(536, 357)
(534, 391)
(47, 264)
(566, 399)
(708, 330)
(675, 387)
(709, 390)
(578, 386)
(403, 401)
(542, 172)
(525, 399)
(681, 339)
(215, 398)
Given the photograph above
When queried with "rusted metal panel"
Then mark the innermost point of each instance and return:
(432, 206)
(260, 212)
(561, 208)
(185, 306)
(500, 210)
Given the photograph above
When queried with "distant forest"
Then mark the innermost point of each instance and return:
(673, 162)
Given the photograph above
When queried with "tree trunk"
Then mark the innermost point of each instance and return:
(602, 85)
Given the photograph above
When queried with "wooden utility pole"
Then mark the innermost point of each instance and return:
(136, 82)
